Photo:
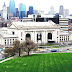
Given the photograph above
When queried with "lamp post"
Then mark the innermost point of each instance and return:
(19, 50)
(27, 45)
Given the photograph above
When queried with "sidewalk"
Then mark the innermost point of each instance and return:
(6, 59)
(10, 58)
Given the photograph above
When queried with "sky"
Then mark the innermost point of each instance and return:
(43, 5)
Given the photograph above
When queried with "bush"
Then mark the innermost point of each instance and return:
(10, 51)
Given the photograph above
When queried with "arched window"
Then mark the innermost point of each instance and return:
(39, 36)
(28, 36)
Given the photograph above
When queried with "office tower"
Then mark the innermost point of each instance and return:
(51, 12)
(7, 12)
(22, 10)
(0, 14)
(4, 12)
(16, 12)
(30, 9)
(66, 12)
(27, 13)
(35, 11)
(10, 15)
(16, 9)
(41, 12)
(12, 7)
(61, 10)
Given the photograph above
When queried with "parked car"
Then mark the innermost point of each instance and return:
(54, 50)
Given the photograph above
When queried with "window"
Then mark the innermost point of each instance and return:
(5, 43)
(39, 37)
(13, 33)
(7, 39)
(10, 41)
(49, 35)
(60, 40)
(68, 38)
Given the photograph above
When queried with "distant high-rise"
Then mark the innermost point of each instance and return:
(7, 12)
(27, 13)
(41, 12)
(4, 12)
(12, 7)
(66, 12)
(22, 10)
(51, 12)
(61, 10)
(16, 12)
(30, 9)
(35, 11)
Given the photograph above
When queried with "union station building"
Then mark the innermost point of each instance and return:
(38, 32)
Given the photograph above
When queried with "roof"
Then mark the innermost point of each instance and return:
(49, 23)
(24, 25)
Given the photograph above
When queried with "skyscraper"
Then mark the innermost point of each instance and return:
(35, 11)
(51, 12)
(66, 12)
(12, 7)
(16, 12)
(4, 12)
(61, 10)
(22, 10)
(7, 12)
(30, 9)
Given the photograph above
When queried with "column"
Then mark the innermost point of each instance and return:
(46, 38)
(33, 36)
(43, 37)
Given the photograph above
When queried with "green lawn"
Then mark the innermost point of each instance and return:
(48, 45)
(53, 62)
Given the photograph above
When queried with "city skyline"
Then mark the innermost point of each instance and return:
(41, 4)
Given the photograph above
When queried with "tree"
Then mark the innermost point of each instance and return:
(28, 45)
(16, 45)
(15, 49)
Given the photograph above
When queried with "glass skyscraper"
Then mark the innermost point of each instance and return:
(61, 10)
(12, 7)
(22, 10)
(30, 9)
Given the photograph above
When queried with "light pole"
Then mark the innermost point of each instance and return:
(27, 45)
(19, 50)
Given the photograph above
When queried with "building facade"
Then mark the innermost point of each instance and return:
(39, 32)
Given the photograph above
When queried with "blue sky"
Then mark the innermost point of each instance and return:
(42, 4)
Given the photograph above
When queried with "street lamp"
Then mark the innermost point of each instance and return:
(27, 45)
(19, 50)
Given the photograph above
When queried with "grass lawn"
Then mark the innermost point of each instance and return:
(48, 45)
(53, 62)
